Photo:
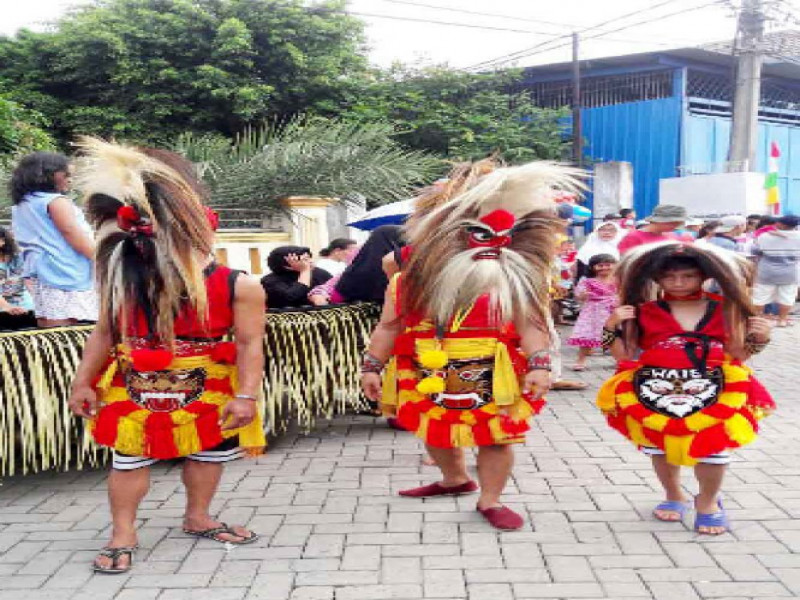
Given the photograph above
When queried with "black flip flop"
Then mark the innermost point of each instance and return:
(115, 554)
(214, 532)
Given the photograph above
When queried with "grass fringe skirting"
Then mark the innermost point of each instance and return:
(312, 370)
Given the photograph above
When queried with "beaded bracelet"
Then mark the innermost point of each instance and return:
(371, 364)
(540, 361)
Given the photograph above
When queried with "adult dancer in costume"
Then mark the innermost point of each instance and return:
(467, 328)
(688, 399)
(157, 381)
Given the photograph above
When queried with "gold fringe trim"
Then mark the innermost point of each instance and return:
(312, 366)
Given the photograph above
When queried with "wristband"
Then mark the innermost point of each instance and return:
(371, 364)
(609, 337)
(540, 361)
(246, 397)
(751, 346)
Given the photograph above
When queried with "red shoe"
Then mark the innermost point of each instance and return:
(394, 423)
(437, 489)
(501, 517)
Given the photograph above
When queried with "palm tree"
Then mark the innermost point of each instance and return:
(308, 156)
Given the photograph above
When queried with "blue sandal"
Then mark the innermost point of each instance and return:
(674, 506)
(717, 519)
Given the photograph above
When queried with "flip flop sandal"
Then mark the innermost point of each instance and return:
(578, 367)
(115, 554)
(214, 534)
(568, 386)
(717, 519)
(674, 506)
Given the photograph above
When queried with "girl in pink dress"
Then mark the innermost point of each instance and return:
(598, 293)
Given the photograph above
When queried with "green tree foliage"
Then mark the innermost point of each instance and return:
(150, 69)
(460, 115)
(21, 131)
(308, 156)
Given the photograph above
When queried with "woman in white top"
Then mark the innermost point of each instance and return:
(334, 257)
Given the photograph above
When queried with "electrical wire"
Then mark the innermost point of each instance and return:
(480, 14)
(450, 23)
(534, 50)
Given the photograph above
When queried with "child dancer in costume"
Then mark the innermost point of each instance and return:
(157, 381)
(464, 336)
(687, 400)
(598, 293)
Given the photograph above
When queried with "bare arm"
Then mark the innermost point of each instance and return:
(389, 265)
(62, 212)
(618, 349)
(249, 308)
(389, 327)
(380, 345)
(535, 341)
(83, 399)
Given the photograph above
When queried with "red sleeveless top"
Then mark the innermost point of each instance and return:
(220, 287)
(665, 342)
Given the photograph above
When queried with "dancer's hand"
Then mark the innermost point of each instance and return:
(759, 328)
(622, 313)
(83, 402)
(371, 385)
(237, 413)
(537, 382)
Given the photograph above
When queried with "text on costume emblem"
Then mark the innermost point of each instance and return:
(677, 392)
(165, 391)
(468, 384)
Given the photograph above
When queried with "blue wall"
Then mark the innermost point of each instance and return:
(705, 148)
(646, 134)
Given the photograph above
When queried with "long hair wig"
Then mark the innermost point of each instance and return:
(443, 277)
(159, 272)
(640, 270)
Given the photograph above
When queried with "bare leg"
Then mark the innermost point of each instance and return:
(451, 463)
(583, 354)
(494, 469)
(670, 478)
(47, 323)
(201, 480)
(710, 479)
(783, 315)
(126, 489)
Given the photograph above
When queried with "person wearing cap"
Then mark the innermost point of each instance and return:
(728, 231)
(778, 260)
(661, 225)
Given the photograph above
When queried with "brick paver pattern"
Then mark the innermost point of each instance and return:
(333, 527)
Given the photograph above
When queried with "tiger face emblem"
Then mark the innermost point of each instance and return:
(165, 391)
(468, 385)
(677, 392)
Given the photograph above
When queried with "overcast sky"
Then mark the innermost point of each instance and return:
(412, 41)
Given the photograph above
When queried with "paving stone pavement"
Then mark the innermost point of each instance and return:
(333, 527)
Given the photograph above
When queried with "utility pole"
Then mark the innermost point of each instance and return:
(747, 93)
(577, 125)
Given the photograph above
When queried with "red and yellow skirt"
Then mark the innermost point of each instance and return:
(686, 414)
(171, 409)
(459, 392)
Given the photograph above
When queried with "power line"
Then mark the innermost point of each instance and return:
(536, 49)
(480, 14)
(523, 53)
(450, 23)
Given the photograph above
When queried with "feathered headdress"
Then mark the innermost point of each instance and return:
(497, 238)
(462, 177)
(154, 234)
